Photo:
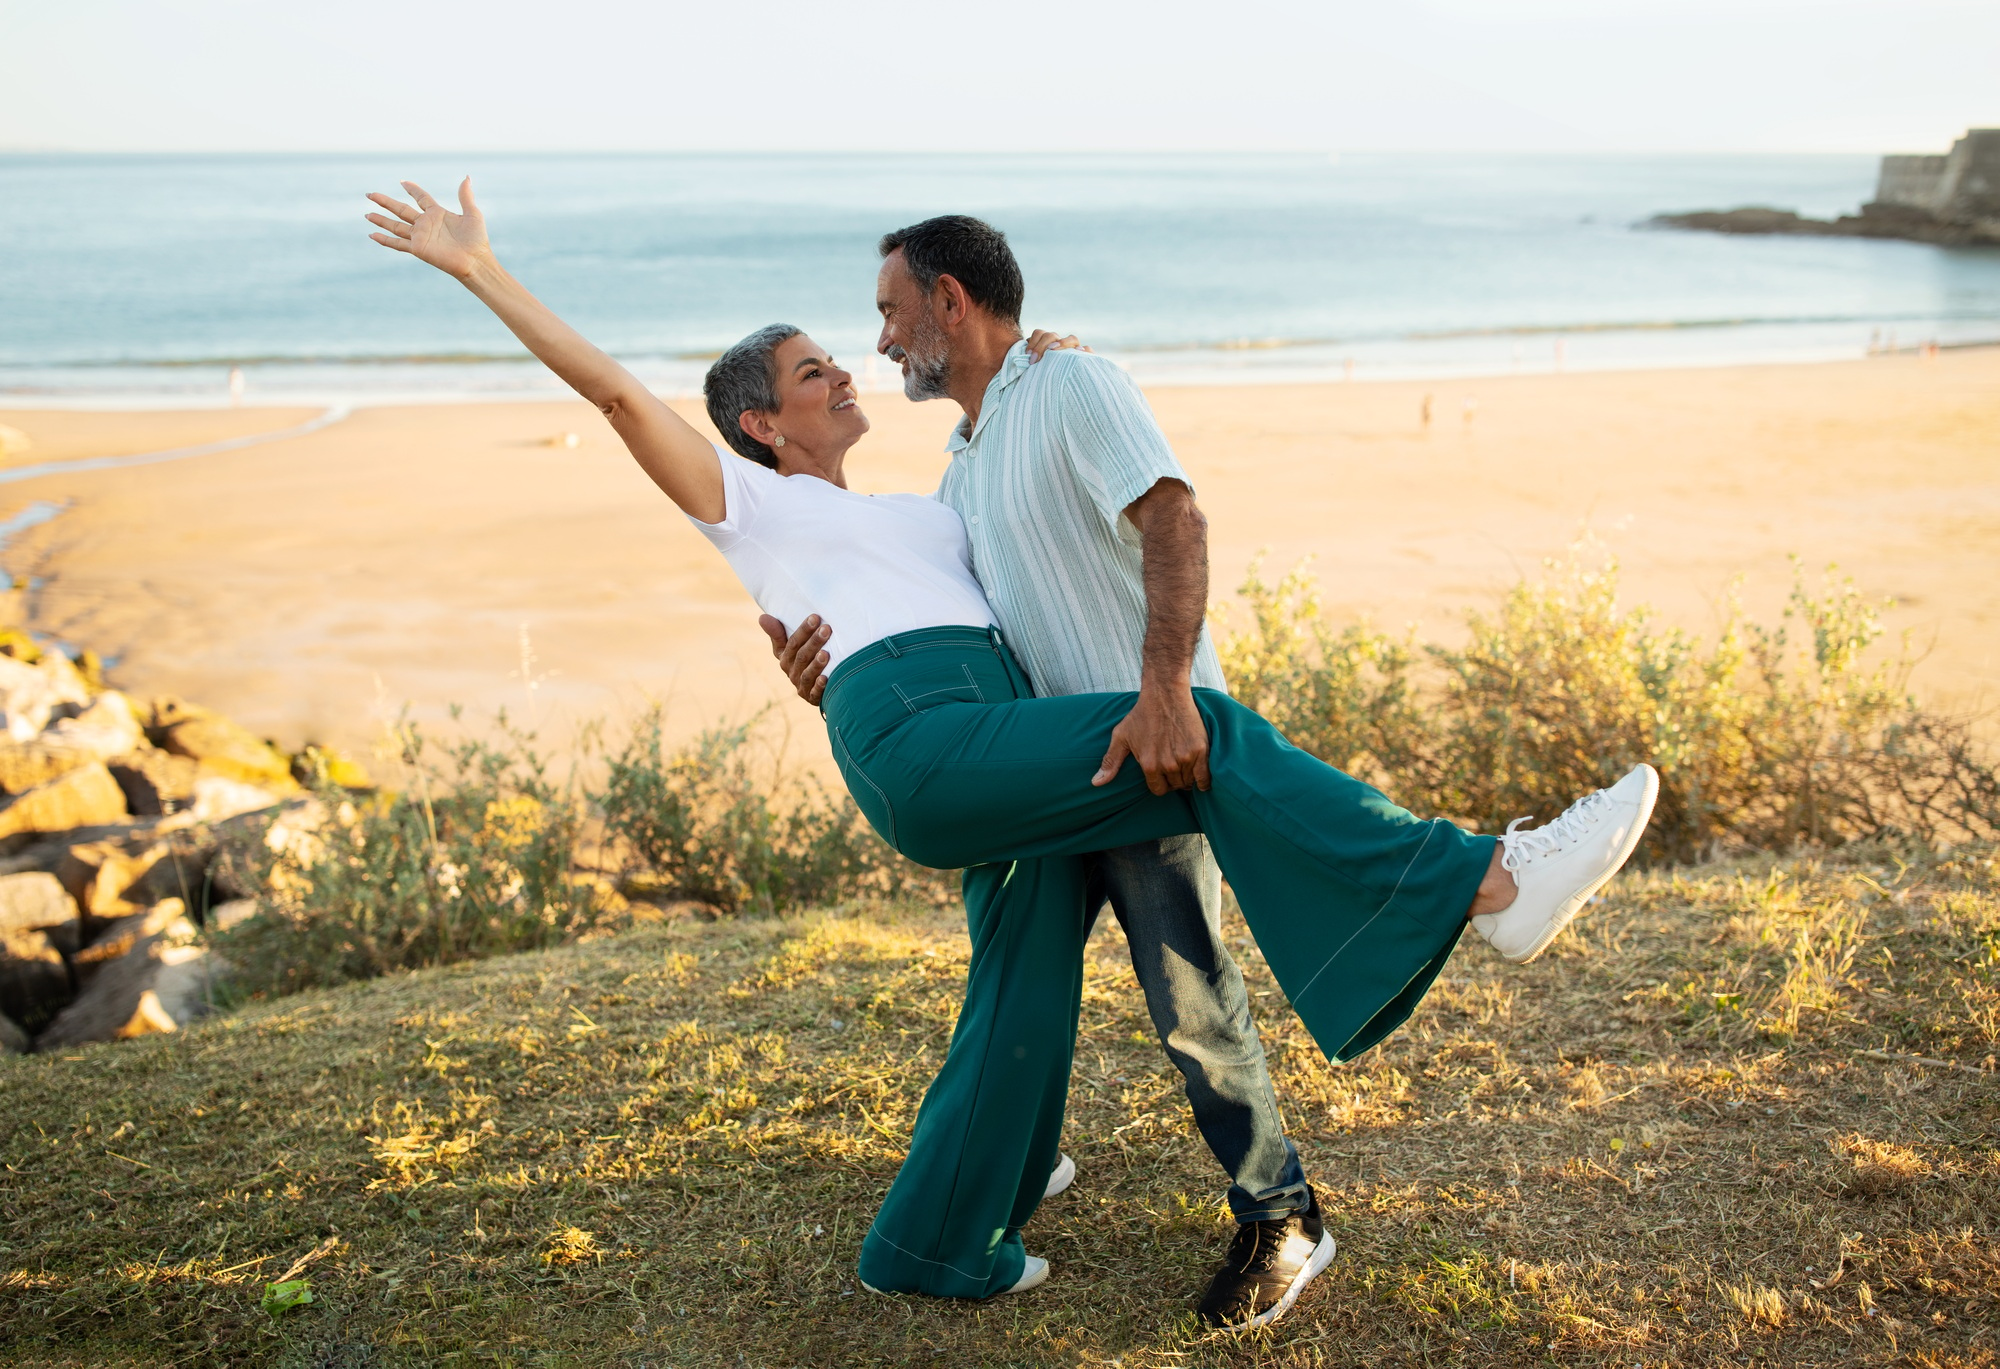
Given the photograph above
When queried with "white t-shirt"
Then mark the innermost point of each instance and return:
(870, 565)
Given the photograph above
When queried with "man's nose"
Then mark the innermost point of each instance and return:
(884, 342)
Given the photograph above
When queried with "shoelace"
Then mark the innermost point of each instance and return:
(1518, 848)
(1249, 1261)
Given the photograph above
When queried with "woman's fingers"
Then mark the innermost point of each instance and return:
(396, 226)
(1042, 341)
(421, 196)
(396, 207)
(466, 204)
(388, 241)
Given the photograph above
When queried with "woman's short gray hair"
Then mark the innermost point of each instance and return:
(746, 377)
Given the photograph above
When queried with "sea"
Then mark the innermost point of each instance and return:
(142, 281)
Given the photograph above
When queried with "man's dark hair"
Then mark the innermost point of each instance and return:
(972, 252)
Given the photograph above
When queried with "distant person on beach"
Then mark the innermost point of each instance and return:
(959, 762)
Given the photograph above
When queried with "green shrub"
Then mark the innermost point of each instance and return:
(706, 822)
(1764, 738)
(475, 858)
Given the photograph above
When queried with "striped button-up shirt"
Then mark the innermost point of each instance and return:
(1061, 448)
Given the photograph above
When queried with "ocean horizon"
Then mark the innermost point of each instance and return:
(136, 281)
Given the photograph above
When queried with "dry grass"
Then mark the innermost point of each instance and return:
(1666, 1143)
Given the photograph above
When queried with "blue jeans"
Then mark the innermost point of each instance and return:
(1167, 895)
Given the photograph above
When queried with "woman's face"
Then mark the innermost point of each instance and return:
(817, 406)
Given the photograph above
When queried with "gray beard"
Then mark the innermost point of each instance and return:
(929, 373)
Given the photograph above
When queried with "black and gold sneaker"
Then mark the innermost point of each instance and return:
(1267, 1267)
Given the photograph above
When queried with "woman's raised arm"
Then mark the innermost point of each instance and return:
(677, 458)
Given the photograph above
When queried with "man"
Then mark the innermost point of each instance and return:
(1087, 539)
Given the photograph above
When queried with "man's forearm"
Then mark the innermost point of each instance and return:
(1174, 547)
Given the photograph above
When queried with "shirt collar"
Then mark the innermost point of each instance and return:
(1012, 367)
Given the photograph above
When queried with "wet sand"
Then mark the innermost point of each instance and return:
(312, 586)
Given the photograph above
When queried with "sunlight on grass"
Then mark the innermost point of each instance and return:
(665, 1147)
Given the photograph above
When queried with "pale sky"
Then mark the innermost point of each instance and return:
(1500, 75)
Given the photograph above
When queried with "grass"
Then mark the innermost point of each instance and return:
(1748, 1113)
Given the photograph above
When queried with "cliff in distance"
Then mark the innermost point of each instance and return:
(1951, 199)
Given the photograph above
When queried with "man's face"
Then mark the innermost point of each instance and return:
(911, 335)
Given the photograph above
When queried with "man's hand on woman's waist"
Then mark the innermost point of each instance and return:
(800, 655)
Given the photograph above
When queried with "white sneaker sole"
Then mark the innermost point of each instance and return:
(1571, 906)
(1034, 1274)
(1061, 1177)
(1321, 1257)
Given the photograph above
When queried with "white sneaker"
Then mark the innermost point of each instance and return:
(1558, 867)
(1034, 1274)
(1061, 1177)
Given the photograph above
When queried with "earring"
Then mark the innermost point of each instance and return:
(780, 441)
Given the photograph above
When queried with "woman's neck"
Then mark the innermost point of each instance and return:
(828, 466)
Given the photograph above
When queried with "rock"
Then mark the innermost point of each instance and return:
(118, 935)
(16, 643)
(26, 765)
(35, 902)
(31, 694)
(223, 916)
(1876, 220)
(114, 878)
(13, 1040)
(156, 783)
(49, 853)
(148, 979)
(35, 982)
(224, 749)
(84, 797)
(318, 766)
(217, 798)
(97, 874)
(39, 931)
(105, 729)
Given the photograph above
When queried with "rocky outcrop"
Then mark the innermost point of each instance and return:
(145, 975)
(220, 746)
(111, 817)
(35, 981)
(40, 932)
(1951, 199)
(31, 692)
(86, 796)
(155, 782)
(1874, 221)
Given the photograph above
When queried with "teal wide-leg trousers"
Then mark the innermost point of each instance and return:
(1354, 902)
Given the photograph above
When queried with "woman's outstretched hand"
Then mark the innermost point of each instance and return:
(454, 243)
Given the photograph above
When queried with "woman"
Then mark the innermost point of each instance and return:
(1354, 902)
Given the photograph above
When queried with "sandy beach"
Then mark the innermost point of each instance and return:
(312, 586)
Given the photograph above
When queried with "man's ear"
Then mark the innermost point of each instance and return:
(952, 304)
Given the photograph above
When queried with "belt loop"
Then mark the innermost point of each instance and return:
(889, 644)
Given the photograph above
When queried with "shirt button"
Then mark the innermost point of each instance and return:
(975, 520)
